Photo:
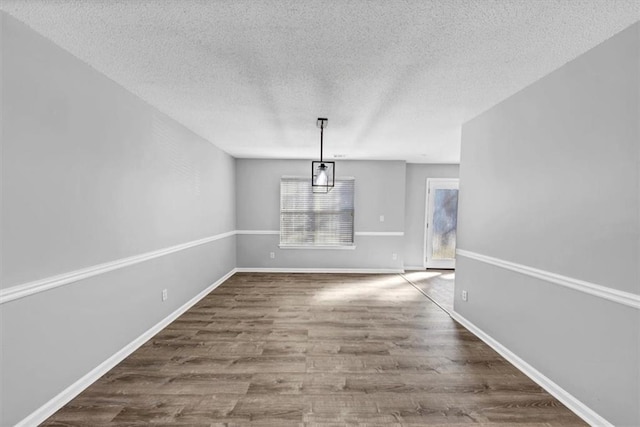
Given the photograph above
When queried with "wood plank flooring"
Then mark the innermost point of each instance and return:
(436, 284)
(314, 350)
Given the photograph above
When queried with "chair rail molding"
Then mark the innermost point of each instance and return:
(357, 233)
(40, 285)
(614, 295)
(30, 288)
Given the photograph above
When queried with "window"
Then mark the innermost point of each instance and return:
(309, 219)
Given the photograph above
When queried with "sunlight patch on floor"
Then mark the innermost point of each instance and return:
(393, 288)
(422, 275)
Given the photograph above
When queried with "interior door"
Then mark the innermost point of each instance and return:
(441, 223)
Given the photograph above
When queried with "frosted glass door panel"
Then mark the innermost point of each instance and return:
(442, 223)
(445, 218)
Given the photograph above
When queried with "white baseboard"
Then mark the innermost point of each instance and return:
(414, 268)
(575, 405)
(320, 270)
(49, 408)
(53, 405)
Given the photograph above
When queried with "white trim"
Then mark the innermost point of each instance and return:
(571, 402)
(426, 224)
(445, 183)
(414, 268)
(30, 288)
(621, 297)
(251, 232)
(321, 247)
(49, 408)
(379, 233)
(320, 270)
(357, 233)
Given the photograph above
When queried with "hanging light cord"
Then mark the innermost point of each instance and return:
(321, 131)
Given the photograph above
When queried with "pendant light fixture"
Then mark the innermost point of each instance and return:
(322, 173)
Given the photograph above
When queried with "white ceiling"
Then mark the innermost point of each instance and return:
(396, 79)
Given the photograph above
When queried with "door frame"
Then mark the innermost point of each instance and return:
(427, 213)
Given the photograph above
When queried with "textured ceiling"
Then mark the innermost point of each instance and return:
(395, 78)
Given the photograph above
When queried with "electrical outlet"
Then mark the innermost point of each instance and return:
(394, 256)
(465, 296)
(272, 255)
(165, 295)
(381, 218)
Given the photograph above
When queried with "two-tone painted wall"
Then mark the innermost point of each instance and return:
(548, 229)
(106, 202)
(415, 209)
(379, 192)
(390, 190)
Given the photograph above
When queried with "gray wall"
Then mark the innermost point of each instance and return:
(416, 188)
(92, 174)
(549, 179)
(379, 190)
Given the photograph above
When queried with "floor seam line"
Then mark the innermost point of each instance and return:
(425, 294)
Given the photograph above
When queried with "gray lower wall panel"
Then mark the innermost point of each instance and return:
(371, 252)
(415, 208)
(53, 338)
(563, 333)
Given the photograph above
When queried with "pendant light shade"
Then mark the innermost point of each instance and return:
(322, 173)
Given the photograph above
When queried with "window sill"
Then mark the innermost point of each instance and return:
(350, 247)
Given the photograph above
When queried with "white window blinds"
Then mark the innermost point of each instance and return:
(316, 219)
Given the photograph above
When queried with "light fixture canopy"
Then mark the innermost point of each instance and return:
(323, 173)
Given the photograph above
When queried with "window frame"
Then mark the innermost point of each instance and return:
(320, 246)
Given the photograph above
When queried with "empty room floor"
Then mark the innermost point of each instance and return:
(437, 285)
(314, 349)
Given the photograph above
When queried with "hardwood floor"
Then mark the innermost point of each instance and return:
(437, 285)
(314, 350)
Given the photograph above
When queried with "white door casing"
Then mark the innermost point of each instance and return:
(440, 223)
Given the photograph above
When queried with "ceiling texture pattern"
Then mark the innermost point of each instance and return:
(396, 79)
